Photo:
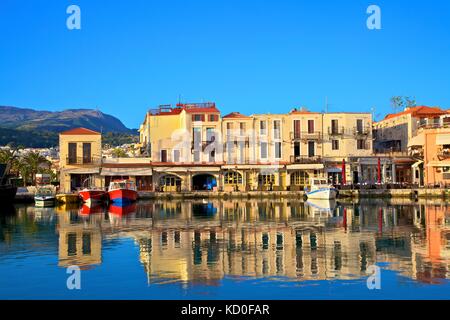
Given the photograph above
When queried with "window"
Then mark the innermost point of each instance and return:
(296, 149)
(278, 150)
(334, 127)
(361, 144)
(196, 156)
(264, 150)
(72, 153)
(299, 178)
(72, 244)
(266, 179)
(263, 128)
(87, 157)
(213, 118)
(163, 155)
(232, 177)
(311, 149)
(210, 134)
(197, 136)
(310, 126)
(277, 129)
(176, 155)
(335, 144)
(229, 129)
(86, 244)
(198, 117)
(297, 129)
(242, 128)
(359, 126)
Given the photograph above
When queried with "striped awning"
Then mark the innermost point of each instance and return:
(126, 172)
(81, 171)
(442, 139)
(437, 164)
(310, 166)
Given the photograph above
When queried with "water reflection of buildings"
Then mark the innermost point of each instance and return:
(203, 242)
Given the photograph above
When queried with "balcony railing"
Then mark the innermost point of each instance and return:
(83, 160)
(364, 131)
(443, 153)
(336, 131)
(306, 135)
(306, 159)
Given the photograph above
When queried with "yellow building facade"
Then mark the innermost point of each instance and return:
(80, 159)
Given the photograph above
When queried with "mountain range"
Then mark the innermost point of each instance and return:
(33, 128)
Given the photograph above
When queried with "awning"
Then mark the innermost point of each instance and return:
(418, 163)
(312, 166)
(417, 141)
(126, 172)
(254, 166)
(442, 139)
(334, 170)
(82, 171)
(186, 169)
(438, 164)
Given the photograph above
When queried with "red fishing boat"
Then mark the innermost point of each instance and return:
(122, 192)
(92, 195)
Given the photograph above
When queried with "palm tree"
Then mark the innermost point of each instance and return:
(33, 161)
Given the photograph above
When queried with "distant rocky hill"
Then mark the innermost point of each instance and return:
(32, 128)
(29, 119)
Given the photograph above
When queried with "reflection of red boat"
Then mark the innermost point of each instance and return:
(122, 210)
(122, 192)
(87, 210)
(92, 195)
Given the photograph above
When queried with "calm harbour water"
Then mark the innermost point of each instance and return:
(266, 249)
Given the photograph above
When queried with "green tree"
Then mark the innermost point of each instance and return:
(33, 162)
(119, 153)
(399, 103)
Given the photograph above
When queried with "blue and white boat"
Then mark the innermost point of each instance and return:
(321, 189)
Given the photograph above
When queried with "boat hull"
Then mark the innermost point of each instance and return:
(92, 196)
(7, 193)
(122, 196)
(44, 202)
(323, 193)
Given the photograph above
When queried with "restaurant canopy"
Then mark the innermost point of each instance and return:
(126, 172)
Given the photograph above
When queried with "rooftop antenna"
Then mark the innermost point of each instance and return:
(326, 104)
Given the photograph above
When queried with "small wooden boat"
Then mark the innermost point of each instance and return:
(44, 197)
(321, 189)
(122, 192)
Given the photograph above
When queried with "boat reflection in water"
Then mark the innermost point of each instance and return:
(195, 243)
(91, 208)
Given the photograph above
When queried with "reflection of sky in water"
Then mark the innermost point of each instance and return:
(277, 249)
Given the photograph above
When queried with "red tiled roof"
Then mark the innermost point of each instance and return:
(79, 131)
(419, 111)
(235, 115)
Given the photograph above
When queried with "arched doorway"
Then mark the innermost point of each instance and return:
(170, 183)
(204, 182)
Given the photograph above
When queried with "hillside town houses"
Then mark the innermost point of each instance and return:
(192, 147)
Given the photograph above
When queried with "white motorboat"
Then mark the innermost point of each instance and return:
(321, 189)
(44, 197)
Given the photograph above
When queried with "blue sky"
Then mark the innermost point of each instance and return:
(245, 55)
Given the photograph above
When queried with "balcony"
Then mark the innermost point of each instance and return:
(306, 159)
(443, 153)
(362, 132)
(77, 161)
(305, 135)
(336, 131)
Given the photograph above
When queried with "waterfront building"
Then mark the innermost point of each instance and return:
(431, 148)
(191, 148)
(80, 158)
(393, 136)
